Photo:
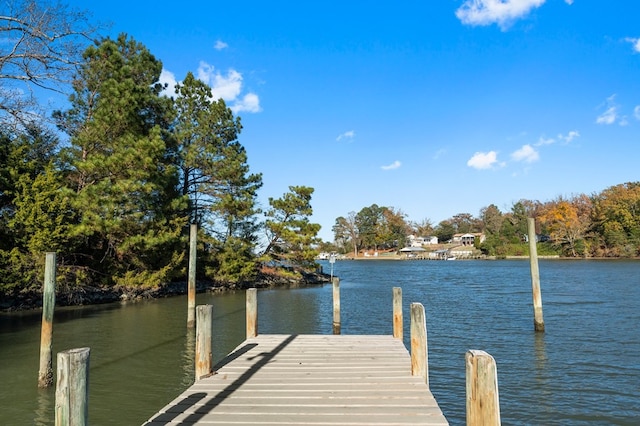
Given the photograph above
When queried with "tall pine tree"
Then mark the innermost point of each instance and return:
(215, 177)
(124, 181)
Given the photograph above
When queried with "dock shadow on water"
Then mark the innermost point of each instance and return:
(210, 405)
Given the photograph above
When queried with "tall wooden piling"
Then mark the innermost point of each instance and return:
(72, 388)
(483, 403)
(397, 313)
(538, 321)
(45, 373)
(419, 351)
(252, 312)
(204, 333)
(191, 282)
(336, 305)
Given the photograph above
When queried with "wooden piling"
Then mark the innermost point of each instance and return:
(538, 321)
(419, 351)
(204, 333)
(72, 388)
(191, 282)
(483, 404)
(45, 372)
(252, 312)
(397, 313)
(336, 305)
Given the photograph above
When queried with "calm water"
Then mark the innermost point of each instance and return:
(583, 370)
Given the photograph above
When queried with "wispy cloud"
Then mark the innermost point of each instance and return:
(439, 153)
(573, 134)
(635, 42)
(636, 112)
(483, 160)
(395, 165)
(545, 141)
(348, 136)
(220, 45)
(610, 114)
(501, 12)
(569, 2)
(527, 154)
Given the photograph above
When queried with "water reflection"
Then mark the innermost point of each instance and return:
(142, 353)
(188, 357)
(46, 402)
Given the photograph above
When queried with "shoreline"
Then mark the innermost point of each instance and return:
(90, 295)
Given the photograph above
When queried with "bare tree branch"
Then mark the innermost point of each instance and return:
(41, 43)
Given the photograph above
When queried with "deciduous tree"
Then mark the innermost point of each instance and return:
(568, 221)
(616, 216)
(345, 232)
(42, 44)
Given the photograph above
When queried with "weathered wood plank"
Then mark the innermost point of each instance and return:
(309, 380)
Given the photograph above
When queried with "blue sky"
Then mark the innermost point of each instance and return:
(431, 107)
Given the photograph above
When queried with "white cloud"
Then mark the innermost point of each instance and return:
(527, 154)
(610, 115)
(227, 87)
(569, 136)
(395, 165)
(349, 135)
(569, 2)
(249, 103)
(483, 160)
(168, 78)
(635, 42)
(636, 112)
(542, 141)
(220, 45)
(501, 12)
(439, 153)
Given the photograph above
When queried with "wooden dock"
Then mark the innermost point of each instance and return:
(309, 380)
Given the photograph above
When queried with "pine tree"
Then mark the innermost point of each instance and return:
(119, 167)
(215, 176)
(292, 237)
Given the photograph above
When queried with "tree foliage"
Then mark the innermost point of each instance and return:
(124, 183)
(345, 231)
(291, 235)
(606, 224)
(114, 200)
(568, 222)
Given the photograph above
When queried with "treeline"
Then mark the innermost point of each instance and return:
(605, 224)
(113, 188)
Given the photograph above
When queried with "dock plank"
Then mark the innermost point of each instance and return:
(308, 380)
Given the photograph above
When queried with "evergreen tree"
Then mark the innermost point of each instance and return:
(125, 184)
(214, 170)
(291, 236)
(34, 209)
(216, 179)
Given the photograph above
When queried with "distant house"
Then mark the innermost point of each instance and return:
(421, 241)
(468, 239)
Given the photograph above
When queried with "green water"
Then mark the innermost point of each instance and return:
(583, 370)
